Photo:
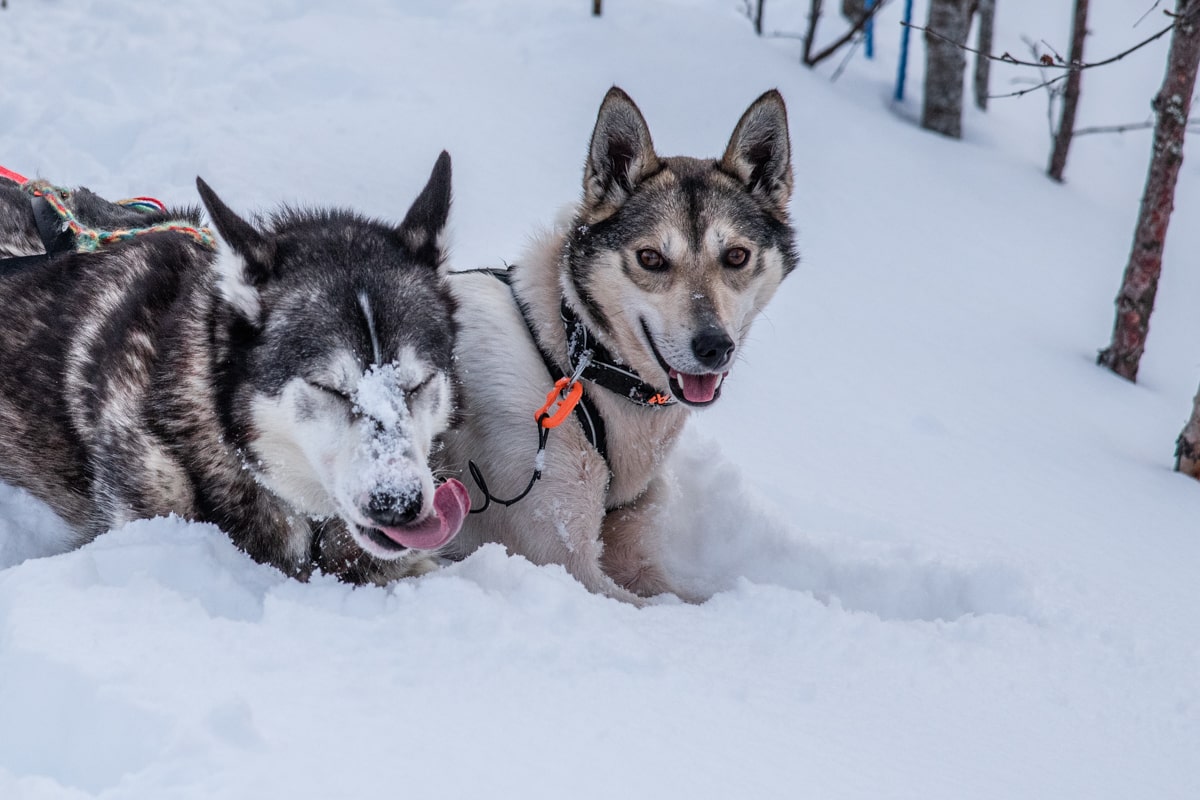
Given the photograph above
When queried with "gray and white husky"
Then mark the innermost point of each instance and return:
(288, 387)
(647, 294)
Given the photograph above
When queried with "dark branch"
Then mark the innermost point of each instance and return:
(813, 60)
(841, 67)
(1129, 126)
(1033, 88)
(1149, 11)
(1051, 94)
(814, 17)
(1007, 58)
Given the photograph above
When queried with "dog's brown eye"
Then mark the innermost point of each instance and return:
(651, 259)
(736, 256)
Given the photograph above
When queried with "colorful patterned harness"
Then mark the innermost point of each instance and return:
(84, 238)
(88, 239)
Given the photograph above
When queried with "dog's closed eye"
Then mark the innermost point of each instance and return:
(422, 390)
(330, 390)
(419, 386)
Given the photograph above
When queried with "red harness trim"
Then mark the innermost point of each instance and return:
(144, 202)
(13, 176)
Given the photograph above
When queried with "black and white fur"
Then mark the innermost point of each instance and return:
(677, 314)
(288, 388)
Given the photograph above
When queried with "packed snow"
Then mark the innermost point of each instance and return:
(947, 555)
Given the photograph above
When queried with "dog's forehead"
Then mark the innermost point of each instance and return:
(338, 328)
(690, 205)
(333, 236)
(346, 368)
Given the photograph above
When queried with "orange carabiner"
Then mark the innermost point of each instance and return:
(566, 393)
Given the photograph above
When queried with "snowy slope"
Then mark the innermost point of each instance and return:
(950, 558)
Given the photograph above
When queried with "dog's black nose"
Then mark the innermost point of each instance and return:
(712, 348)
(391, 510)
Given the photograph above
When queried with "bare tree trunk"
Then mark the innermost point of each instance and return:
(1066, 125)
(1187, 446)
(1135, 300)
(983, 65)
(944, 65)
(758, 15)
(596, 7)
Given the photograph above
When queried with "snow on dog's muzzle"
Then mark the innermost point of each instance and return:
(451, 503)
(391, 463)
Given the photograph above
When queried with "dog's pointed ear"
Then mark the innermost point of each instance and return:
(424, 224)
(760, 152)
(244, 258)
(621, 154)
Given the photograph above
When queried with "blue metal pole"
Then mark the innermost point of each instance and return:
(869, 31)
(902, 73)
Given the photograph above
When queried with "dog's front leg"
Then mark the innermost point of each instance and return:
(577, 545)
(632, 554)
(561, 520)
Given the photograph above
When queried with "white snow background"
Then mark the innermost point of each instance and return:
(950, 558)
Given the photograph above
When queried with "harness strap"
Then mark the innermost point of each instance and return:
(604, 369)
(585, 411)
(61, 231)
(589, 360)
(15, 177)
(55, 238)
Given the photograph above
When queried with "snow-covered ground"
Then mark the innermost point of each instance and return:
(949, 555)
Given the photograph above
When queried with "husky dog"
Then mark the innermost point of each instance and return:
(647, 295)
(288, 388)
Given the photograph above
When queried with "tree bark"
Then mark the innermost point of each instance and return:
(596, 7)
(758, 15)
(1135, 300)
(1187, 446)
(983, 64)
(945, 62)
(1066, 125)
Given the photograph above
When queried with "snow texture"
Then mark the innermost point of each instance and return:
(948, 554)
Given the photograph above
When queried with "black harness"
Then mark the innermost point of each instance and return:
(589, 360)
(55, 238)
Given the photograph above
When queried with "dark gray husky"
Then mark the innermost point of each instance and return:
(288, 387)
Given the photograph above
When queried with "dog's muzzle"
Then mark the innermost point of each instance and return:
(399, 523)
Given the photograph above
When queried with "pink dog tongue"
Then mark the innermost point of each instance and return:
(698, 388)
(450, 506)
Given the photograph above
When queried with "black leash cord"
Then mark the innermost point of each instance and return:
(481, 482)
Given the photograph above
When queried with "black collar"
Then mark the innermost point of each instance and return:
(601, 368)
(598, 366)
